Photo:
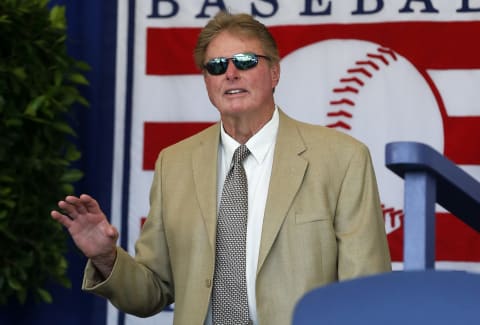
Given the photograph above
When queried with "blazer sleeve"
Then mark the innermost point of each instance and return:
(359, 224)
(140, 285)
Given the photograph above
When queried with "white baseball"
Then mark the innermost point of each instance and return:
(368, 91)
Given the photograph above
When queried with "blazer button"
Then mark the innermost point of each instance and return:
(208, 283)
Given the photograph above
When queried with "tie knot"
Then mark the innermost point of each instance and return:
(240, 154)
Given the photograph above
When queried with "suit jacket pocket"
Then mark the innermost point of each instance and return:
(301, 218)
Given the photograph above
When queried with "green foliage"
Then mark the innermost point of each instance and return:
(38, 86)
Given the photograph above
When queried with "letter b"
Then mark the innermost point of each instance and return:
(156, 9)
(361, 8)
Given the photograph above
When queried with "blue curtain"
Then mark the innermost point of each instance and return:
(91, 38)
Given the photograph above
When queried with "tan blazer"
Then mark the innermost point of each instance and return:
(322, 224)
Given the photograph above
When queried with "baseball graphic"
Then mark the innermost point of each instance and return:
(368, 91)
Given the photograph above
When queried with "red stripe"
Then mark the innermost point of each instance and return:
(159, 135)
(428, 45)
(454, 241)
(462, 136)
(170, 51)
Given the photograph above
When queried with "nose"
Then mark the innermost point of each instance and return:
(232, 71)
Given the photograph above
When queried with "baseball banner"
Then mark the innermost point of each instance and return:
(382, 71)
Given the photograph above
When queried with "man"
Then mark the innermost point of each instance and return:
(313, 208)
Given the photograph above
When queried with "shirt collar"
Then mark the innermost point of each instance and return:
(259, 144)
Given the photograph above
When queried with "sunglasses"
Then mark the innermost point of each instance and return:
(242, 61)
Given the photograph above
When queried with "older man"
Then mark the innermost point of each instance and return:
(239, 242)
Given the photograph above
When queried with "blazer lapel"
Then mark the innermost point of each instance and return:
(288, 171)
(204, 165)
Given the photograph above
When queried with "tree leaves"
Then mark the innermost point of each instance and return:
(38, 86)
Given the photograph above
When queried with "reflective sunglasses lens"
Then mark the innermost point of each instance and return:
(217, 66)
(242, 61)
(245, 61)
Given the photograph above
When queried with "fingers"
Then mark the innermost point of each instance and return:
(75, 206)
(90, 204)
(70, 207)
(62, 218)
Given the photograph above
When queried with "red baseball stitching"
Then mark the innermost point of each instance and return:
(350, 85)
(343, 103)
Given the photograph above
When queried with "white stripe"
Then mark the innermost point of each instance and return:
(459, 101)
(119, 128)
(171, 98)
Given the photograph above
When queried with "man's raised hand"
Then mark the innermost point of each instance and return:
(90, 230)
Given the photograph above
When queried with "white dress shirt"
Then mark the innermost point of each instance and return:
(258, 168)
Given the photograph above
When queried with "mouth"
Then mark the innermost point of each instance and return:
(234, 91)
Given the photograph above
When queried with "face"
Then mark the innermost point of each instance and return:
(241, 93)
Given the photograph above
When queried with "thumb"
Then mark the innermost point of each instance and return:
(112, 232)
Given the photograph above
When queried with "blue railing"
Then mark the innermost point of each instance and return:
(430, 178)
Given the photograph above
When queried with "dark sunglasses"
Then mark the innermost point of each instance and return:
(242, 61)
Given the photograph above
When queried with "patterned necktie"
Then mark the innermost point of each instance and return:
(229, 300)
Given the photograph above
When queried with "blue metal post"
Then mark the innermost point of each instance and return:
(419, 221)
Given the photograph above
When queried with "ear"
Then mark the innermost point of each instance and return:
(275, 74)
